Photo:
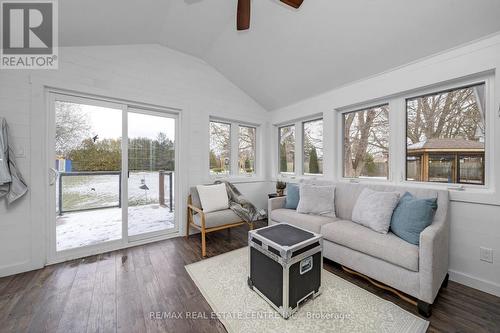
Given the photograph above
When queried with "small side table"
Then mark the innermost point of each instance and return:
(274, 195)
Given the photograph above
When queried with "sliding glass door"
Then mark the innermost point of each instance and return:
(151, 172)
(111, 174)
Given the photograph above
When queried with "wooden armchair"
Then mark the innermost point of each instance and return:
(209, 222)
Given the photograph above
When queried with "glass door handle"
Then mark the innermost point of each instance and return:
(53, 175)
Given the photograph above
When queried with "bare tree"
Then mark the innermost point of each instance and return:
(247, 142)
(365, 132)
(220, 137)
(220, 145)
(72, 127)
(313, 146)
(453, 114)
(287, 148)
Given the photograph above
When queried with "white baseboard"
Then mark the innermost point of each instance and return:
(17, 268)
(474, 282)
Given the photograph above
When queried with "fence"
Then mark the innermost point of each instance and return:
(162, 188)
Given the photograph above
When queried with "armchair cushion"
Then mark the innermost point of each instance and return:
(213, 197)
(217, 218)
(195, 198)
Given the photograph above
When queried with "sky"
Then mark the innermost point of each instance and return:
(107, 123)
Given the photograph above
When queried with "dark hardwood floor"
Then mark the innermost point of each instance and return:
(117, 291)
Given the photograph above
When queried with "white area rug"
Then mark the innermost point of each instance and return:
(342, 306)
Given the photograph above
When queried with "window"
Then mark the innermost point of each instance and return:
(313, 147)
(445, 136)
(233, 148)
(287, 148)
(220, 148)
(366, 143)
(246, 155)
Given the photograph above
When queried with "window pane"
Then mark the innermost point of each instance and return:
(287, 148)
(366, 143)
(471, 169)
(88, 141)
(443, 130)
(442, 169)
(414, 168)
(313, 147)
(220, 148)
(246, 154)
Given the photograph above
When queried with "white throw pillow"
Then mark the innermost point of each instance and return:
(374, 209)
(317, 200)
(213, 197)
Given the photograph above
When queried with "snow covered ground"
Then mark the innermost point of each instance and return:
(82, 228)
(83, 192)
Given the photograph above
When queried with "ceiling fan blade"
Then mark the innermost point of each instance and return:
(243, 15)
(293, 3)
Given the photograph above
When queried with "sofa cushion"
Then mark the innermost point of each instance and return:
(195, 198)
(309, 222)
(217, 218)
(388, 247)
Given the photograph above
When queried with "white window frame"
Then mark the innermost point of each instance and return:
(278, 150)
(231, 146)
(234, 172)
(54, 94)
(299, 148)
(255, 167)
(487, 193)
(340, 139)
(302, 146)
(488, 142)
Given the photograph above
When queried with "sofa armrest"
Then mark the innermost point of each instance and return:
(272, 204)
(275, 203)
(433, 258)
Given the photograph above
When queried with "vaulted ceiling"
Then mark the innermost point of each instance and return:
(287, 55)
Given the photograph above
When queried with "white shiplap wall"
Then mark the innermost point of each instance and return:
(142, 73)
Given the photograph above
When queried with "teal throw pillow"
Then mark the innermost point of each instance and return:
(292, 196)
(411, 216)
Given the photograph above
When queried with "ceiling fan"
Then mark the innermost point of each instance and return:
(243, 15)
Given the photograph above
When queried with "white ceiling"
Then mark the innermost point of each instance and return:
(287, 55)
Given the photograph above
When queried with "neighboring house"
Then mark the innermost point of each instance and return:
(446, 161)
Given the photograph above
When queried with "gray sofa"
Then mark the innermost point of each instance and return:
(417, 270)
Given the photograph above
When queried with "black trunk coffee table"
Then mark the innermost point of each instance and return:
(285, 265)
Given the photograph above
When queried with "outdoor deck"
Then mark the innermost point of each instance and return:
(89, 209)
(75, 229)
